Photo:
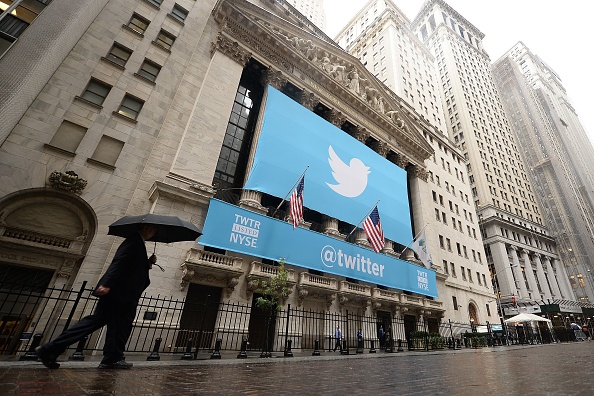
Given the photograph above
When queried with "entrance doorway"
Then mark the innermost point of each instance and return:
(257, 328)
(21, 290)
(199, 316)
(384, 322)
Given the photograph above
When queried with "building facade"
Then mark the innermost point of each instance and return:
(559, 155)
(522, 255)
(437, 64)
(381, 37)
(157, 106)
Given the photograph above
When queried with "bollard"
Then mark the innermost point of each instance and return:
(316, 351)
(188, 355)
(243, 352)
(154, 355)
(288, 352)
(400, 349)
(359, 346)
(31, 354)
(372, 349)
(390, 346)
(78, 355)
(216, 354)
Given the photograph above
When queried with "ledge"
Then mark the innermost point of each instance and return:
(59, 150)
(170, 15)
(85, 101)
(160, 46)
(144, 79)
(104, 59)
(101, 164)
(199, 197)
(152, 4)
(136, 32)
(115, 113)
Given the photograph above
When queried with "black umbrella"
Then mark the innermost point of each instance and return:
(169, 228)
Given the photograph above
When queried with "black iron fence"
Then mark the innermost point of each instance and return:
(30, 314)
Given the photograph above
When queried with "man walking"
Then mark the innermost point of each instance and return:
(119, 290)
(338, 337)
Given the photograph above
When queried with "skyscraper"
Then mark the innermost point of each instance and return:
(312, 10)
(559, 155)
(441, 54)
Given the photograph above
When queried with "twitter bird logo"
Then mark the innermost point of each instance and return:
(351, 179)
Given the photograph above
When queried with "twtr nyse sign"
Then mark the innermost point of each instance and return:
(232, 228)
(344, 177)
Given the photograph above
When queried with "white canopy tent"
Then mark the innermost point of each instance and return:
(526, 317)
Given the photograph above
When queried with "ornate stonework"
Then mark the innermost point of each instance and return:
(274, 78)
(420, 173)
(308, 100)
(336, 118)
(362, 134)
(382, 148)
(67, 181)
(230, 48)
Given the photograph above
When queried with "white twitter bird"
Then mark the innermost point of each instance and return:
(351, 179)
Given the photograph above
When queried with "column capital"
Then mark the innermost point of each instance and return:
(419, 172)
(274, 78)
(307, 99)
(230, 48)
(381, 148)
(362, 134)
(336, 118)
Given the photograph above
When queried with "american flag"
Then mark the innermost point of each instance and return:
(297, 204)
(373, 229)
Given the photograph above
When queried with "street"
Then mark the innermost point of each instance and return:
(557, 369)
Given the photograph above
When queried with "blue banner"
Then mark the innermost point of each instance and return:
(230, 227)
(344, 177)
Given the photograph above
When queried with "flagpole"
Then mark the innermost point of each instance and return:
(361, 221)
(411, 242)
(290, 191)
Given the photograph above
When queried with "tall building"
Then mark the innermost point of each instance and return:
(521, 253)
(437, 62)
(312, 10)
(559, 156)
(379, 35)
(161, 106)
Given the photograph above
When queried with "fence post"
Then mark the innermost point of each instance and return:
(31, 354)
(345, 343)
(154, 355)
(201, 327)
(400, 349)
(78, 296)
(188, 353)
(316, 351)
(78, 354)
(216, 354)
(452, 334)
(288, 352)
(372, 349)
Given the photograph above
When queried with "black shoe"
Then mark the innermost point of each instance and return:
(48, 359)
(122, 364)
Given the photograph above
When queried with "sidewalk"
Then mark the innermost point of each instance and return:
(230, 358)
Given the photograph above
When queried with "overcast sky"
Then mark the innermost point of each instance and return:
(557, 31)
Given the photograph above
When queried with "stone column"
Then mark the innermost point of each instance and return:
(518, 272)
(278, 81)
(566, 288)
(389, 248)
(252, 200)
(541, 277)
(553, 279)
(530, 275)
(210, 113)
(330, 226)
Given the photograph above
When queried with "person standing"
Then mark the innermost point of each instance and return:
(119, 291)
(380, 335)
(338, 338)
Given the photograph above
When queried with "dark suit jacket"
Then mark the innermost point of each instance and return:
(128, 274)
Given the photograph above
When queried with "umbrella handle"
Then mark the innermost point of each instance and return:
(155, 248)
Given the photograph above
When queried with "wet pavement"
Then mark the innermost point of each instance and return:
(557, 369)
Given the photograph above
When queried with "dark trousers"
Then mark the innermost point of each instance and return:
(117, 315)
(338, 344)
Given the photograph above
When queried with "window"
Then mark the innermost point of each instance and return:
(179, 13)
(15, 23)
(449, 244)
(138, 23)
(453, 269)
(130, 106)
(149, 70)
(119, 54)
(165, 40)
(478, 278)
(469, 275)
(441, 245)
(68, 137)
(455, 302)
(96, 92)
(156, 3)
(463, 272)
(488, 309)
(445, 267)
(107, 151)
